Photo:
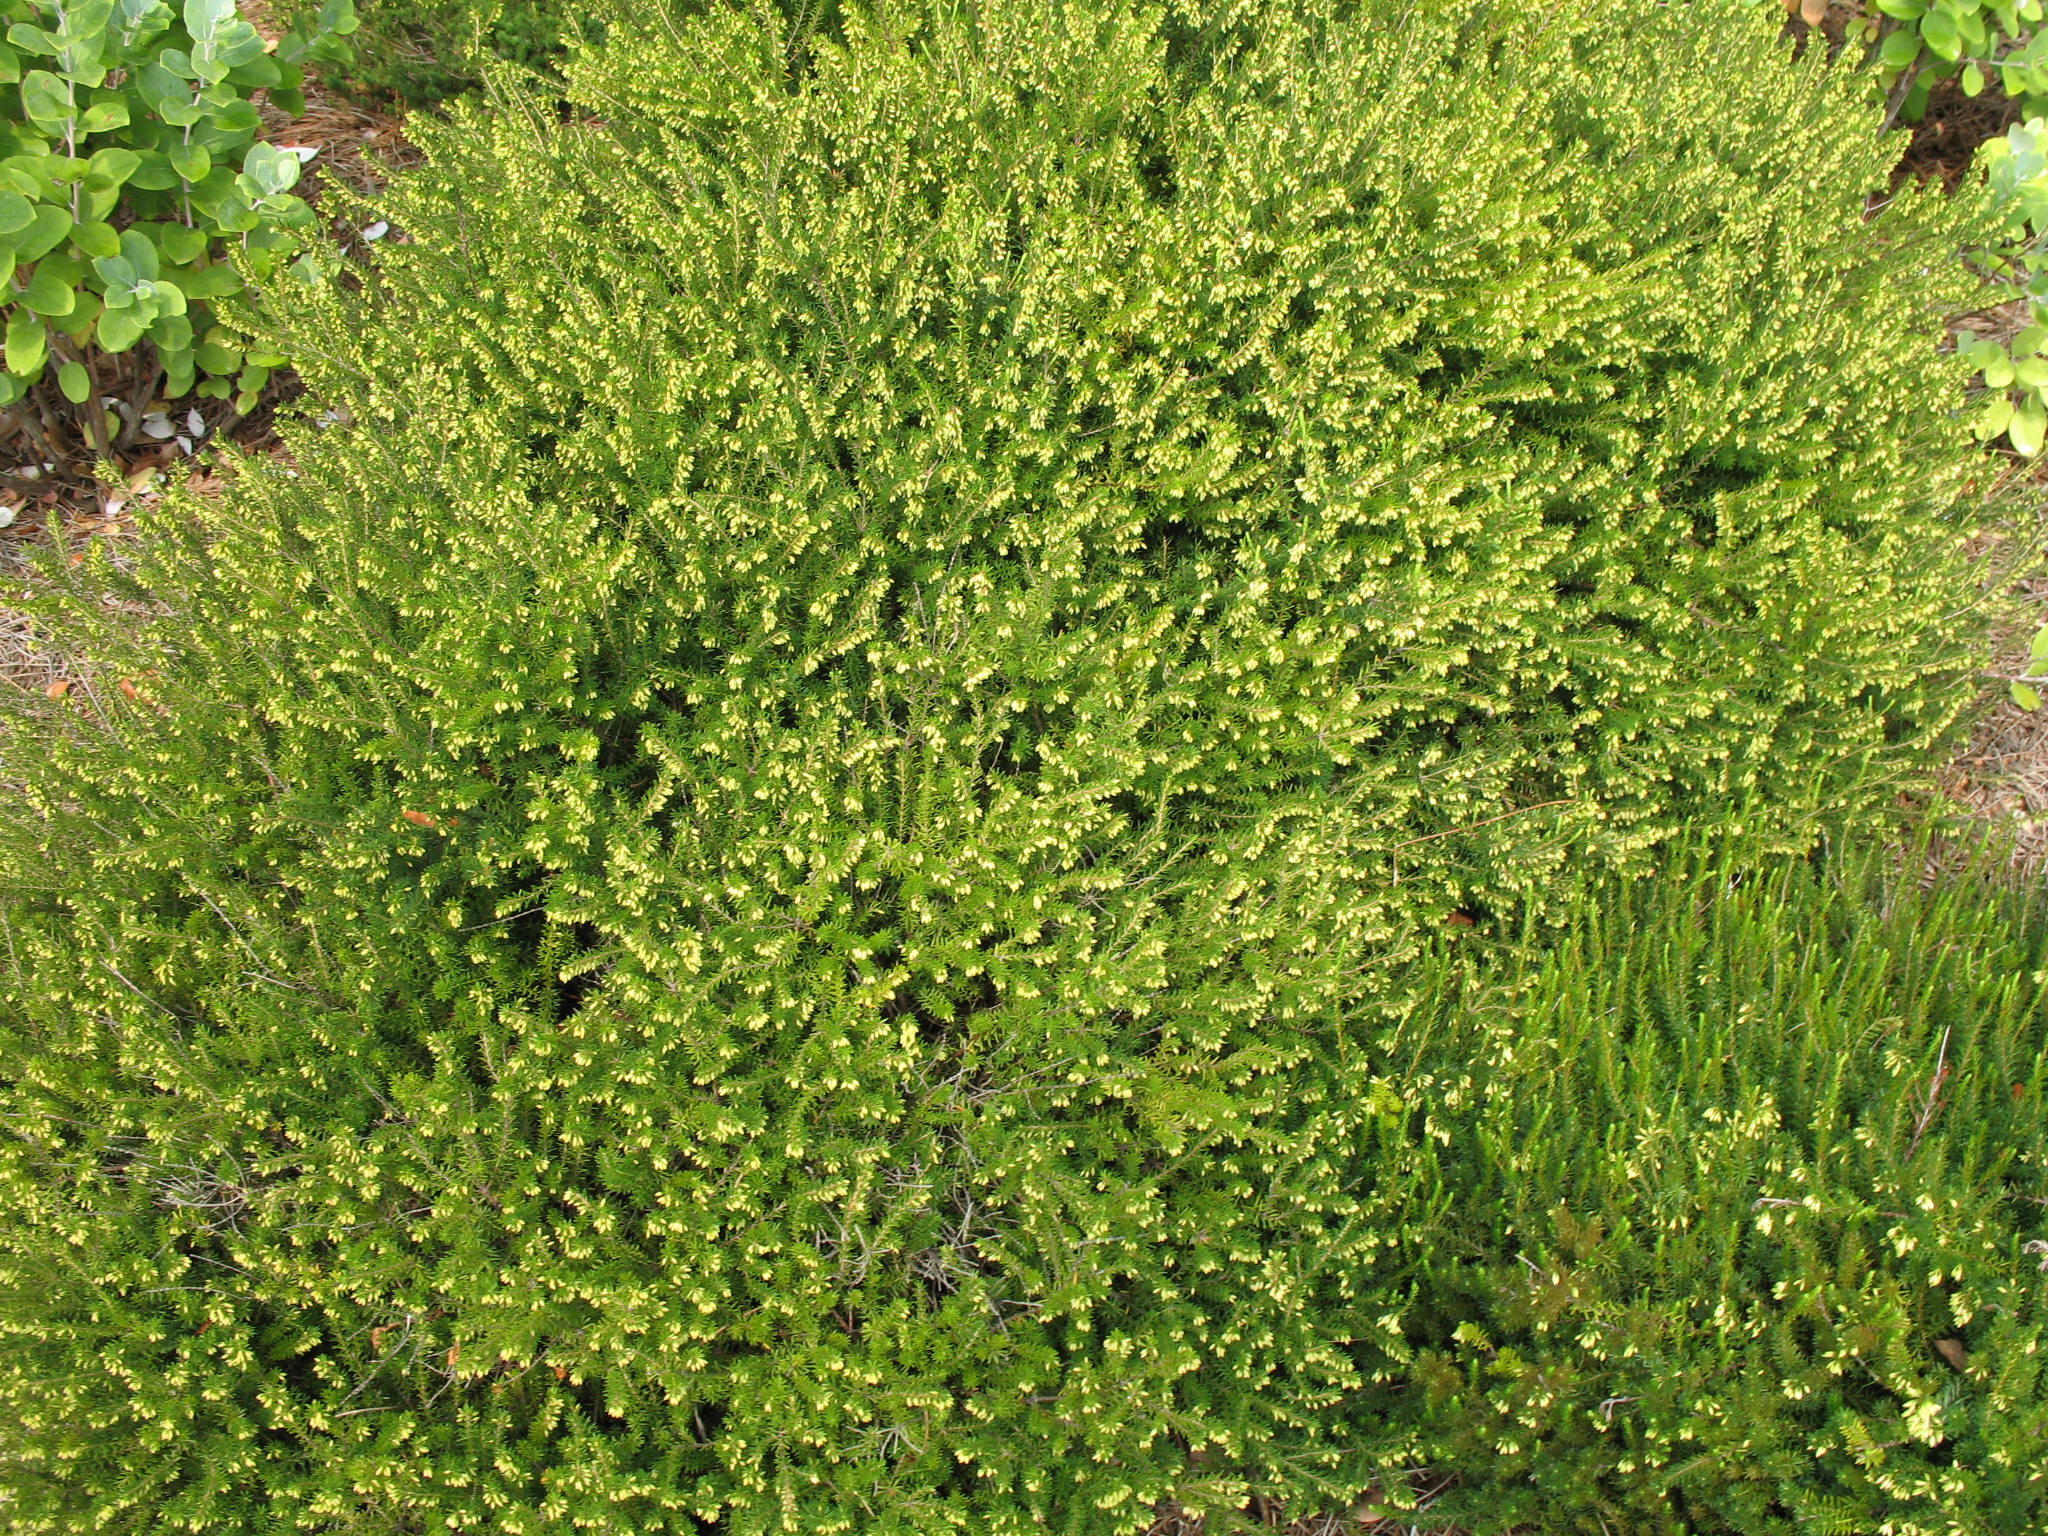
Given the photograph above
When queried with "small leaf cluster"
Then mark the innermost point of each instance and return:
(129, 168)
(763, 890)
(1918, 43)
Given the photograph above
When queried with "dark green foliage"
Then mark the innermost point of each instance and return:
(752, 897)
(417, 53)
(1717, 1177)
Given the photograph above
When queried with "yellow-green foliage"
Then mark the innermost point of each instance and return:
(740, 899)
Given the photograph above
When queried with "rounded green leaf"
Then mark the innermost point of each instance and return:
(1998, 370)
(32, 39)
(45, 98)
(75, 382)
(16, 212)
(205, 17)
(2029, 425)
(139, 251)
(1973, 80)
(27, 343)
(1943, 38)
(82, 315)
(114, 165)
(120, 329)
(44, 235)
(1900, 49)
(191, 161)
(2025, 697)
(1996, 418)
(172, 333)
(48, 294)
(210, 282)
(96, 239)
(179, 243)
(104, 116)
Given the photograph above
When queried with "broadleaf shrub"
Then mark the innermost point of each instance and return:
(129, 168)
(744, 899)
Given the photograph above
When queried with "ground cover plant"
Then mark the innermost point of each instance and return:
(418, 53)
(1742, 1223)
(738, 900)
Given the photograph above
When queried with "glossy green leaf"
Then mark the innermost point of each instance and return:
(190, 161)
(2029, 425)
(1899, 49)
(32, 39)
(259, 72)
(120, 329)
(1996, 417)
(104, 116)
(27, 343)
(49, 229)
(45, 98)
(49, 294)
(120, 278)
(211, 282)
(82, 315)
(172, 333)
(75, 382)
(180, 244)
(270, 170)
(205, 17)
(114, 164)
(1943, 38)
(96, 239)
(155, 173)
(140, 252)
(167, 96)
(17, 213)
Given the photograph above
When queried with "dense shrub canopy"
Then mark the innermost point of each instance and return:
(746, 898)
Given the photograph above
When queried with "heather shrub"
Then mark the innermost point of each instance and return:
(747, 897)
(1742, 1222)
